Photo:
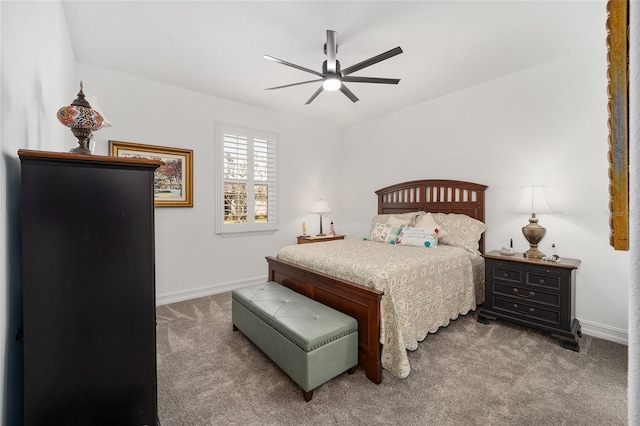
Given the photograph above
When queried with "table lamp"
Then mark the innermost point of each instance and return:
(82, 120)
(533, 200)
(320, 207)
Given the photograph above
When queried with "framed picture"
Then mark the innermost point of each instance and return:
(618, 90)
(173, 182)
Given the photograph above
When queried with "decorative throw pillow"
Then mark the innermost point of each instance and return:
(418, 237)
(385, 233)
(462, 230)
(426, 220)
(400, 219)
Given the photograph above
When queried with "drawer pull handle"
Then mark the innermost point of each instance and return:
(506, 275)
(524, 311)
(517, 292)
(541, 280)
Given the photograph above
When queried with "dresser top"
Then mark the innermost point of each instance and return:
(67, 156)
(564, 262)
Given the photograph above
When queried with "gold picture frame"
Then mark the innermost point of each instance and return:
(618, 121)
(173, 182)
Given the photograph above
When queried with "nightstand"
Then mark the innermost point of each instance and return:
(316, 239)
(533, 293)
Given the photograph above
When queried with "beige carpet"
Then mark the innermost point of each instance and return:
(465, 374)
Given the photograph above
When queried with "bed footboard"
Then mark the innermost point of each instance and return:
(359, 302)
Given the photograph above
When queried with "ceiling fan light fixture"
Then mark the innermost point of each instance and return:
(331, 83)
(332, 75)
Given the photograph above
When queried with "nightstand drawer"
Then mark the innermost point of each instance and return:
(536, 278)
(524, 294)
(531, 311)
(506, 274)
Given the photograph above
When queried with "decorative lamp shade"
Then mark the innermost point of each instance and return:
(82, 120)
(320, 207)
(80, 117)
(533, 200)
(93, 100)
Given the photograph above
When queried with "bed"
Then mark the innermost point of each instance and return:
(374, 297)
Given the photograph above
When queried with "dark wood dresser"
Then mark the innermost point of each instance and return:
(533, 293)
(88, 275)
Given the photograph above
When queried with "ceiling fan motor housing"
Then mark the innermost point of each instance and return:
(324, 67)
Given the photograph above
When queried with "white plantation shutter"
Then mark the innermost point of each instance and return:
(246, 195)
(264, 177)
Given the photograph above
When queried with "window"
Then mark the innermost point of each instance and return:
(246, 174)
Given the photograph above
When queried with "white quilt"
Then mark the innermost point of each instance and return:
(424, 288)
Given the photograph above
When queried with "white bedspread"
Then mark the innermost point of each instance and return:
(424, 288)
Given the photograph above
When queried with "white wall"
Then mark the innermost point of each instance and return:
(191, 259)
(545, 125)
(38, 77)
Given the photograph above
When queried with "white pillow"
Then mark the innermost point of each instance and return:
(418, 237)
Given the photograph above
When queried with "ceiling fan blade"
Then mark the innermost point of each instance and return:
(293, 84)
(315, 95)
(368, 62)
(289, 64)
(371, 80)
(349, 93)
(332, 49)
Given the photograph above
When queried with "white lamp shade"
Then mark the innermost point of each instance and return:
(320, 207)
(533, 199)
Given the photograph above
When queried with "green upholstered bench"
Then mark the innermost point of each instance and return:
(309, 341)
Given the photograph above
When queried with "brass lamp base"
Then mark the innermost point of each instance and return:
(321, 234)
(534, 233)
(83, 138)
(533, 253)
(82, 149)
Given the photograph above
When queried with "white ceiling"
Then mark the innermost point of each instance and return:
(216, 47)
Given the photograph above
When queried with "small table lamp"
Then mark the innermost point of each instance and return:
(320, 207)
(82, 120)
(533, 200)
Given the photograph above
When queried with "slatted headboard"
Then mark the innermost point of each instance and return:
(435, 196)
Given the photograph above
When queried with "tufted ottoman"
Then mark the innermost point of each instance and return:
(309, 341)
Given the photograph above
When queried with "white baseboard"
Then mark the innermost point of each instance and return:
(605, 332)
(178, 296)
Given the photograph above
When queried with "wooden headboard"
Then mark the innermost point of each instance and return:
(435, 196)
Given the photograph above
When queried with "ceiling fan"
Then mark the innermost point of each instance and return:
(332, 77)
